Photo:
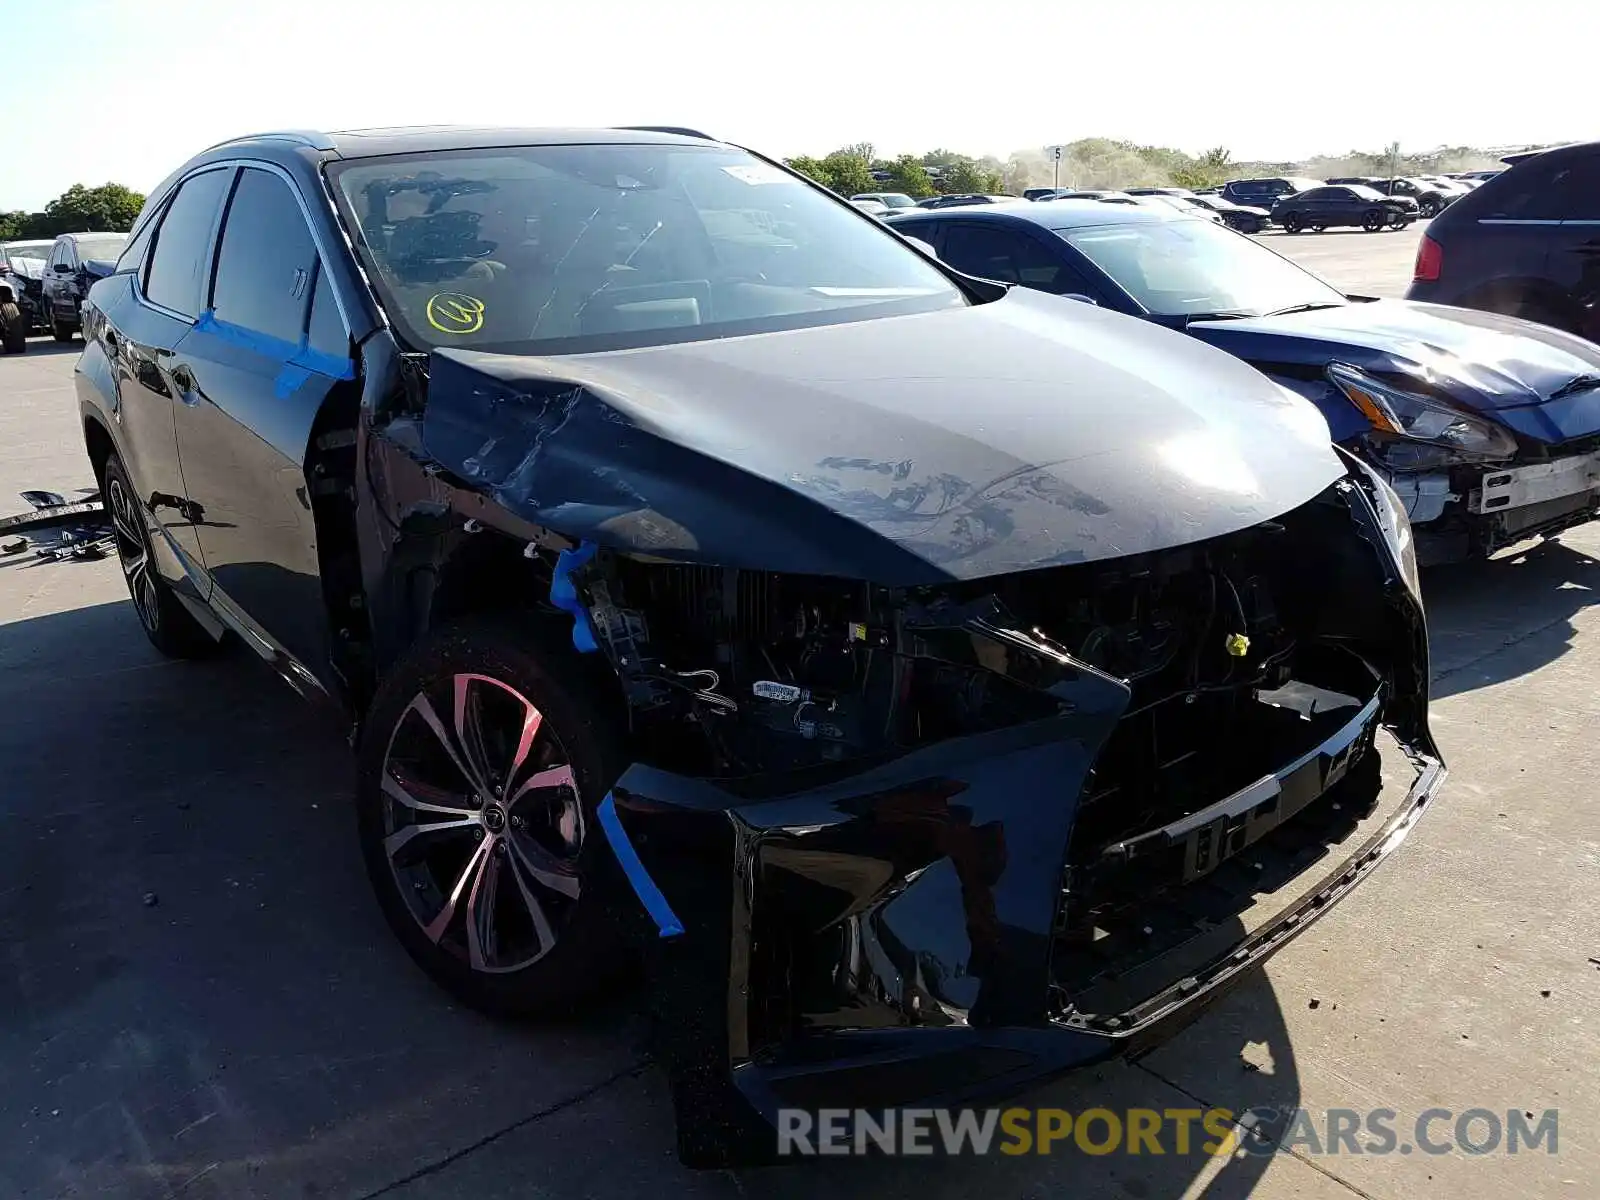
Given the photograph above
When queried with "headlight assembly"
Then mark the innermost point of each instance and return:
(1392, 519)
(1421, 418)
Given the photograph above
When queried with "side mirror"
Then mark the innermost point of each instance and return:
(1081, 298)
(62, 269)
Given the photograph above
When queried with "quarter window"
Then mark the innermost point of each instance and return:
(327, 334)
(266, 259)
(178, 264)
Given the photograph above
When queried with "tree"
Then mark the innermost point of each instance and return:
(861, 150)
(906, 175)
(14, 225)
(849, 173)
(963, 176)
(111, 208)
(813, 168)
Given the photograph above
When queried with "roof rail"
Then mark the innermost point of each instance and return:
(300, 137)
(680, 130)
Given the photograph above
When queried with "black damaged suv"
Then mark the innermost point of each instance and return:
(703, 567)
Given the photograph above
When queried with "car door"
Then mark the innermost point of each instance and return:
(55, 273)
(1342, 206)
(143, 338)
(270, 346)
(1574, 257)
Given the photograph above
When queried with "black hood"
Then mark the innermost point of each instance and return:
(970, 442)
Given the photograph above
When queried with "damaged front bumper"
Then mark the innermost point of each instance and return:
(1475, 511)
(908, 937)
(987, 910)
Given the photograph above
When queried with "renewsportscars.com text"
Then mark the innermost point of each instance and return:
(1176, 1131)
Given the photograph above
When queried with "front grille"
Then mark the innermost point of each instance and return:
(1294, 774)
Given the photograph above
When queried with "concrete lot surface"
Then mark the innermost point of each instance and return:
(199, 999)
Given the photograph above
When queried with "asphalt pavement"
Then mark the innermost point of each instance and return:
(199, 999)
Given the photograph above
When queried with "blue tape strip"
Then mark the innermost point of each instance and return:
(299, 361)
(565, 597)
(643, 886)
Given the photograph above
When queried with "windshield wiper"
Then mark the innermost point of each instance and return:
(1313, 307)
(1582, 383)
(1226, 314)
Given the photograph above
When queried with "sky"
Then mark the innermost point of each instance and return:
(113, 90)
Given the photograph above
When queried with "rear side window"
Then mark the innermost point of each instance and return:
(1538, 189)
(266, 259)
(178, 262)
(1001, 254)
(132, 256)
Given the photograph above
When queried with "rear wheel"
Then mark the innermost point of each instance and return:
(483, 760)
(1429, 208)
(13, 327)
(171, 628)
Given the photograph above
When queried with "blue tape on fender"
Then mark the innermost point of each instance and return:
(643, 886)
(565, 597)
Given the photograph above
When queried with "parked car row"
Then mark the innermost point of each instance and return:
(44, 283)
(1463, 432)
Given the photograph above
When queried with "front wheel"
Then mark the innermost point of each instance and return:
(13, 327)
(1374, 220)
(1291, 222)
(56, 331)
(1430, 208)
(483, 762)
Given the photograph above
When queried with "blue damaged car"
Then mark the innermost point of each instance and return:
(1487, 426)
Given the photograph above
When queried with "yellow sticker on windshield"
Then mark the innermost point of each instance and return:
(455, 312)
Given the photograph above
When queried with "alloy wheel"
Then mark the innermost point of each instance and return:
(483, 825)
(133, 551)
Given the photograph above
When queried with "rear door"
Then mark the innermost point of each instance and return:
(268, 348)
(147, 335)
(55, 277)
(1574, 259)
(1506, 241)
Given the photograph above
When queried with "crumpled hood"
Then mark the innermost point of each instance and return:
(28, 268)
(969, 442)
(1484, 360)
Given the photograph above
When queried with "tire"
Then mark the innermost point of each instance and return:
(56, 331)
(171, 628)
(13, 328)
(1290, 222)
(1373, 220)
(494, 679)
(1429, 208)
(1318, 228)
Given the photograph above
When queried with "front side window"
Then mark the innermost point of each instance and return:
(183, 241)
(1183, 268)
(265, 260)
(568, 248)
